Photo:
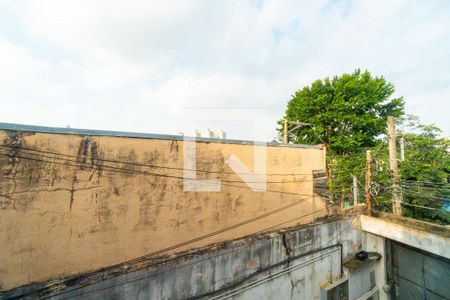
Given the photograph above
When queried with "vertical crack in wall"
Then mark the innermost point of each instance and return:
(72, 190)
(288, 251)
(291, 280)
(286, 246)
(294, 286)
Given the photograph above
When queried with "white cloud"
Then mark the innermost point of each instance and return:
(134, 65)
(17, 61)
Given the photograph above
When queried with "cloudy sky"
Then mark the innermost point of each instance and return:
(141, 65)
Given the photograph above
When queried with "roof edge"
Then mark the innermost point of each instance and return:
(112, 133)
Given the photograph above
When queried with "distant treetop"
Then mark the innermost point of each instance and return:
(346, 112)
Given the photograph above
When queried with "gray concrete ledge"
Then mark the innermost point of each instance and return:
(402, 232)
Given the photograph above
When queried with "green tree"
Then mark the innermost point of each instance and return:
(346, 113)
(425, 173)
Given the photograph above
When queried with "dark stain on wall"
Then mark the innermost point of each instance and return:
(151, 158)
(83, 150)
(88, 156)
(72, 190)
(21, 169)
(174, 147)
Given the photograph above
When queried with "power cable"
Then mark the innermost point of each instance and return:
(188, 264)
(135, 172)
(425, 182)
(415, 205)
(188, 242)
(418, 187)
(149, 165)
(412, 193)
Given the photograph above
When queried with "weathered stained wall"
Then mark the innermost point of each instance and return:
(290, 264)
(66, 206)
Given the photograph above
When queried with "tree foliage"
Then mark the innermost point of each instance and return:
(425, 173)
(346, 112)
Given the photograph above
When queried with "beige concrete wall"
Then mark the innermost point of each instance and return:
(66, 215)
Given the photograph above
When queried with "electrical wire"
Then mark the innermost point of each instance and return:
(425, 182)
(160, 252)
(128, 171)
(188, 264)
(291, 220)
(412, 193)
(214, 233)
(148, 165)
(419, 188)
(239, 288)
(415, 205)
(222, 183)
(125, 170)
